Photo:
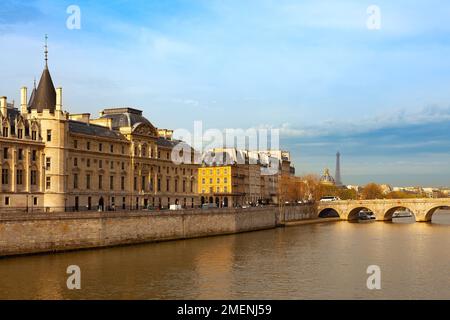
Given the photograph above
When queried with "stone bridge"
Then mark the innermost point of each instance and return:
(422, 209)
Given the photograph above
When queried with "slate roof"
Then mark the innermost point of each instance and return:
(94, 130)
(124, 117)
(45, 95)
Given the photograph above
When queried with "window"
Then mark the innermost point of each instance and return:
(100, 147)
(5, 132)
(35, 201)
(184, 185)
(167, 170)
(47, 163)
(225, 180)
(100, 182)
(135, 184)
(111, 148)
(88, 145)
(88, 163)
(75, 162)
(151, 184)
(136, 151)
(123, 149)
(122, 183)
(6, 201)
(19, 176)
(111, 182)
(218, 171)
(167, 185)
(75, 144)
(123, 165)
(5, 176)
(33, 155)
(210, 180)
(191, 187)
(218, 189)
(33, 135)
(211, 190)
(167, 155)
(176, 185)
(20, 154)
(100, 164)
(33, 177)
(111, 165)
(88, 181)
(159, 154)
(159, 185)
(218, 180)
(48, 184)
(5, 153)
(49, 135)
(143, 183)
(203, 181)
(20, 133)
(225, 189)
(75, 181)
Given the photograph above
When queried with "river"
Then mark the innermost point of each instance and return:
(319, 261)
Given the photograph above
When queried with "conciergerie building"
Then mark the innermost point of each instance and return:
(52, 160)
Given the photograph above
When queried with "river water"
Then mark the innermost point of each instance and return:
(320, 261)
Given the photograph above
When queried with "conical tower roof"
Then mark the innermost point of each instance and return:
(45, 95)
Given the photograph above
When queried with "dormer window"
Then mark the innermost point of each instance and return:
(49, 135)
(34, 135)
(19, 133)
(5, 132)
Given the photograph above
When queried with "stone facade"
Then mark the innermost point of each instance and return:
(52, 160)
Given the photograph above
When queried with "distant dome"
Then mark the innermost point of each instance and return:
(326, 178)
(124, 117)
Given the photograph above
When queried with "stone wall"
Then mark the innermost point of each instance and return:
(25, 233)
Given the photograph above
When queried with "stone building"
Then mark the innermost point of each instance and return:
(56, 161)
(231, 177)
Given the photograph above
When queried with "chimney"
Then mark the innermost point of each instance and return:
(59, 99)
(3, 106)
(23, 100)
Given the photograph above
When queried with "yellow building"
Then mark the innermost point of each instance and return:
(230, 185)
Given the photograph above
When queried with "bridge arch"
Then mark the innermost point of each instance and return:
(429, 213)
(329, 212)
(389, 213)
(353, 213)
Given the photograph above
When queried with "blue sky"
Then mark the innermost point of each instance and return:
(311, 68)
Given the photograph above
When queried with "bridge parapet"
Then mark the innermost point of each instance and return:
(383, 209)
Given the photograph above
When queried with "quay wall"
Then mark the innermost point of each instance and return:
(53, 232)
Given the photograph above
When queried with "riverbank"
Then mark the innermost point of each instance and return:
(41, 233)
(308, 221)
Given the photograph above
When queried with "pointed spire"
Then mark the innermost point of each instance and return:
(44, 97)
(46, 51)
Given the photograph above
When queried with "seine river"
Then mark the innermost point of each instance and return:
(320, 261)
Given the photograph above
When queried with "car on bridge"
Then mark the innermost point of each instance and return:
(329, 198)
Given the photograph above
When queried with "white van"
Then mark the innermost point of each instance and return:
(329, 198)
(175, 207)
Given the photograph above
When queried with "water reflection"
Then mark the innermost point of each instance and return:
(323, 261)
